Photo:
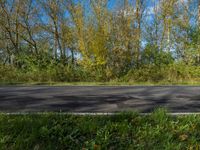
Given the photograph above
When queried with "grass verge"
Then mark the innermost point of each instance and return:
(120, 131)
(111, 83)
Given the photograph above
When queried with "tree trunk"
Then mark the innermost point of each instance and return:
(138, 30)
(199, 14)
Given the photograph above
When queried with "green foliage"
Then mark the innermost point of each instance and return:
(194, 35)
(31, 69)
(155, 65)
(153, 56)
(177, 72)
(192, 50)
(7, 73)
(104, 45)
(146, 73)
(121, 131)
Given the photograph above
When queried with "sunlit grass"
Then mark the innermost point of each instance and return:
(111, 83)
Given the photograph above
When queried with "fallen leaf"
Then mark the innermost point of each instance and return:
(96, 146)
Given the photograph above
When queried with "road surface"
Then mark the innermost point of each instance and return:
(99, 98)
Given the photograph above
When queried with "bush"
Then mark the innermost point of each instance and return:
(177, 72)
(53, 73)
(173, 73)
(146, 73)
(155, 57)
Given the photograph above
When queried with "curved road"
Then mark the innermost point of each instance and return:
(99, 98)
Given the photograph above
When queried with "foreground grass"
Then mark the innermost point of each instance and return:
(121, 131)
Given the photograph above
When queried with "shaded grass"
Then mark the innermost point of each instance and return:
(120, 131)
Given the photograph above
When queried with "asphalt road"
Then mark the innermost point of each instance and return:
(99, 99)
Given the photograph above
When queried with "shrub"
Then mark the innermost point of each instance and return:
(174, 73)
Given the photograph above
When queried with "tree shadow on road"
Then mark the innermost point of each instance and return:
(142, 101)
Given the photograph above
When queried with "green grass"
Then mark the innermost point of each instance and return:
(111, 83)
(120, 131)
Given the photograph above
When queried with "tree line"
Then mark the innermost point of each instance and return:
(77, 40)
